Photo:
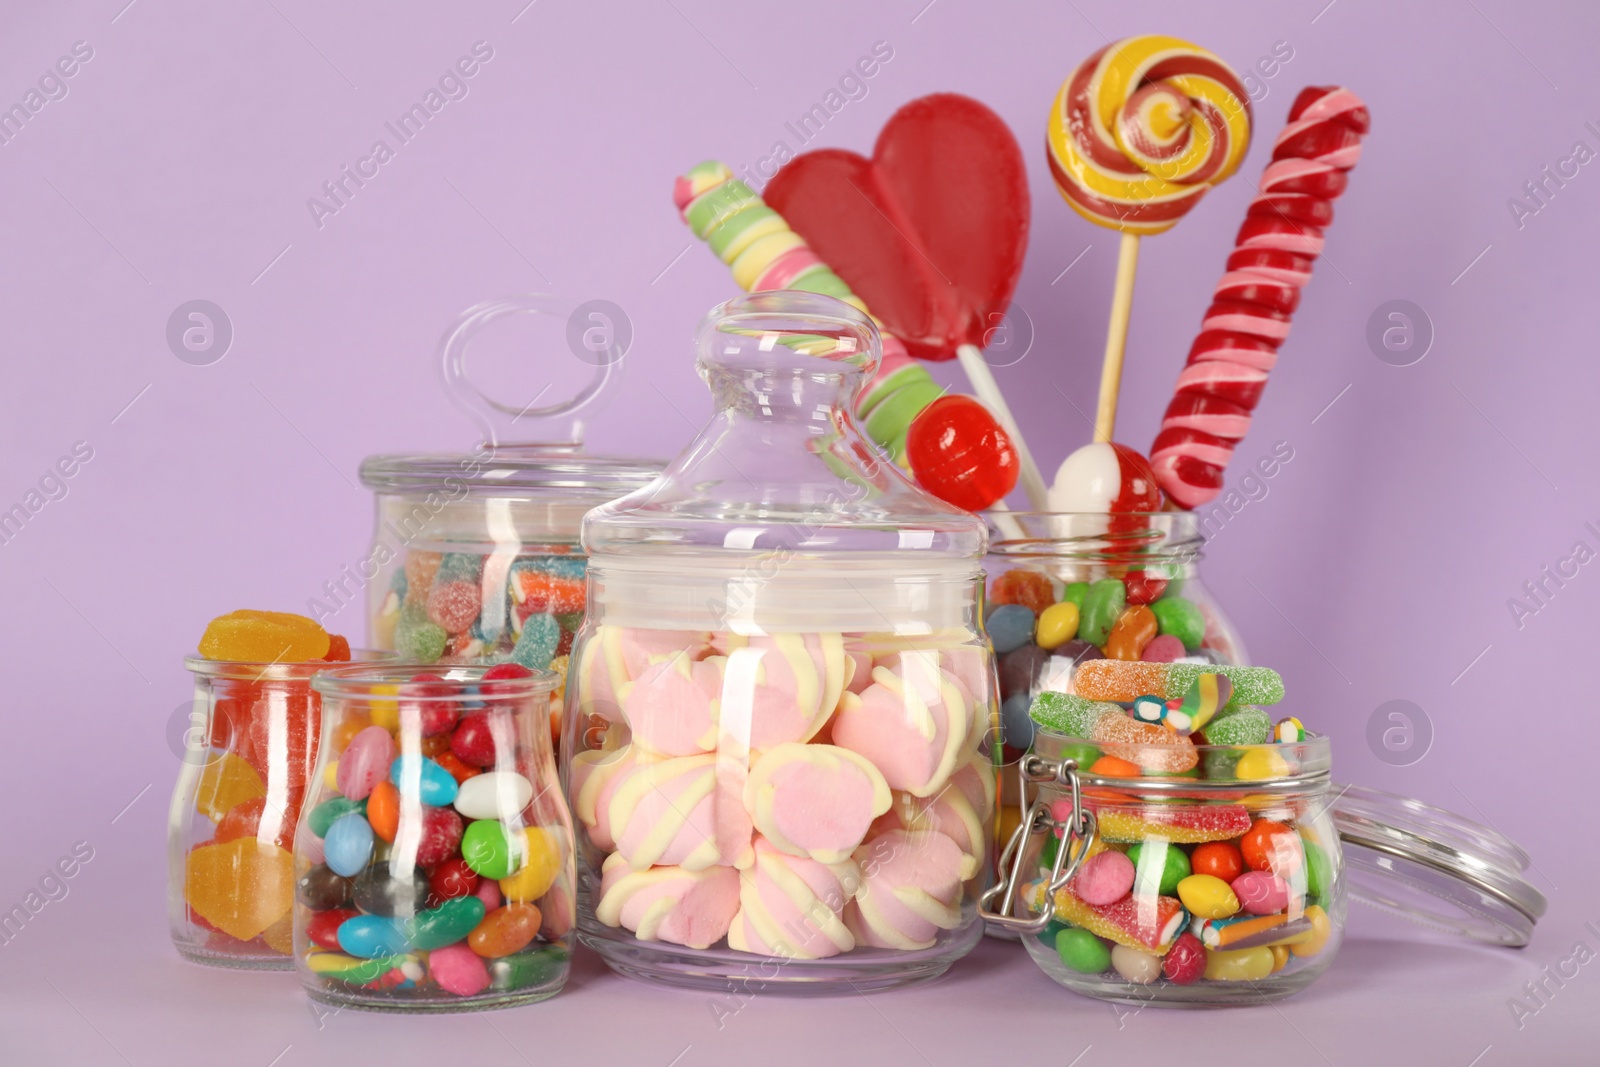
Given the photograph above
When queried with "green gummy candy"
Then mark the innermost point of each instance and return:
(1251, 685)
(1098, 613)
(1067, 714)
(1247, 726)
(1074, 593)
(1172, 861)
(1180, 618)
(1082, 951)
(418, 638)
(1220, 762)
(1083, 755)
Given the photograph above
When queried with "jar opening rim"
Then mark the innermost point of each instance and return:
(463, 681)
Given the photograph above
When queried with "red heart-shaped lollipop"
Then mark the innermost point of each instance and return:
(930, 231)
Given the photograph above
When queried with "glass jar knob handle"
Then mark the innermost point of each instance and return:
(595, 336)
(1080, 830)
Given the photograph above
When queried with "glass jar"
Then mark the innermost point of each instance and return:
(248, 753)
(475, 556)
(1230, 887)
(1068, 587)
(777, 741)
(433, 861)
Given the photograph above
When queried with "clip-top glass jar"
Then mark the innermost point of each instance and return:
(777, 741)
(1229, 886)
(475, 556)
(433, 860)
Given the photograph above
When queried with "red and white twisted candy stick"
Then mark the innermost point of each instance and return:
(1252, 304)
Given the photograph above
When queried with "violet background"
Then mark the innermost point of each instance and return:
(1378, 567)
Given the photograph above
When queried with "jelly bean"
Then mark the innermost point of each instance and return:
(383, 810)
(1115, 767)
(490, 850)
(1242, 965)
(459, 970)
(1102, 605)
(1079, 651)
(435, 746)
(430, 703)
(350, 969)
(1220, 762)
(496, 795)
(379, 892)
(541, 862)
(458, 770)
(1321, 931)
(1074, 593)
(1161, 866)
(440, 836)
(1207, 897)
(1140, 968)
(352, 723)
(1242, 726)
(1083, 952)
(450, 879)
(1016, 726)
(536, 646)
(1010, 627)
(370, 936)
(1031, 589)
(505, 930)
(446, 924)
(1083, 755)
(432, 783)
(1104, 879)
(1180, 618)
(524, 970)
(1163, 648)
(1219, 859)
(418, 638)
(1058, 624)
(383, 711)
(1052, 847)
(473, 741)
(348, 844)
(1319, 871)
(1270, 846)
(320, 889)
(322, 816)
(1280, 957)
(1020, 669)
(1261, 892)
(1185, 961)
(1260, 764)
(1144, 587)
(322, 928)
(488, 891)
(364, 762)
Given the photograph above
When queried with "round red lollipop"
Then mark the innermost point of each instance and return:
(1105, 478)
(960, 454)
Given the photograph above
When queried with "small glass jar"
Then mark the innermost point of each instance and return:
(475, 555)
(778, 727)
(248, 754)
(1067, 587)
(1230, 886)
(433, 861)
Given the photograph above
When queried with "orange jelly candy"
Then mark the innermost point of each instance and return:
(241, 887)
(245, 820)
(248, 636)
(1028, 588)
(224, 785)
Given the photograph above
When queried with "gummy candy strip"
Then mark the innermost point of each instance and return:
(1068, 714)
(1252, 931)
(1123, 681)
(1134, 921)
(1186, 825)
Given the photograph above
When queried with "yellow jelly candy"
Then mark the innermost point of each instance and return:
(1321, 930)
(1280, 957)
(385, 713)
(225, 784)
(544, 864)
(1207, 896)
(1058, 624)
(264, 637)
(1259, 764)
(330, 776)
(280, 935)
(1242, 965)
(241, 887)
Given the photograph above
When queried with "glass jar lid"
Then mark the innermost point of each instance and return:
(1434, 867)
(781, 503)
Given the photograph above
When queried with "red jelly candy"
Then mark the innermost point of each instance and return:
(451, 879)
(473, 740)
(960, 454)
(244, 820)
(1220, 859)
(452, 763)
(1144, 587)
(338, 649)
(441, 836)
(284, 726)
(1185, 962)
(434, 712)
(1029, 588)
(323, 927)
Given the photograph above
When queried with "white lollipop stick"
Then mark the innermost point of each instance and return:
(988, 391)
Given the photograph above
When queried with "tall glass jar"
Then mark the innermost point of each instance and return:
(433, 862)
(778, 730)
(475, 555)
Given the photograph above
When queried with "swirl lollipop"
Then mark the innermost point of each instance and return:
(1136, 136)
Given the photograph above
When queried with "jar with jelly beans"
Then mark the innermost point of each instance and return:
(777, 745)
(1220, 874)
(475, 555)
(248, 753)
(433, 861)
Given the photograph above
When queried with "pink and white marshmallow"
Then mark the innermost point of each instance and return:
(791, 907)
(679, 812)
(910, 890)
(816, 801)
(913, 722)
(673, 706)
(692, 908)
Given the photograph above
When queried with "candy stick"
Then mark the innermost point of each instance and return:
(988, 390)
(1123, 681)
(1271, 262)
(1136, 136)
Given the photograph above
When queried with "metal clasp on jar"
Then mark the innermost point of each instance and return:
(1080, 830)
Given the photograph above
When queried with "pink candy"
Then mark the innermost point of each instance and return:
(458, 970)
(1261, 892)
(1104, 878)
(364, 763)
